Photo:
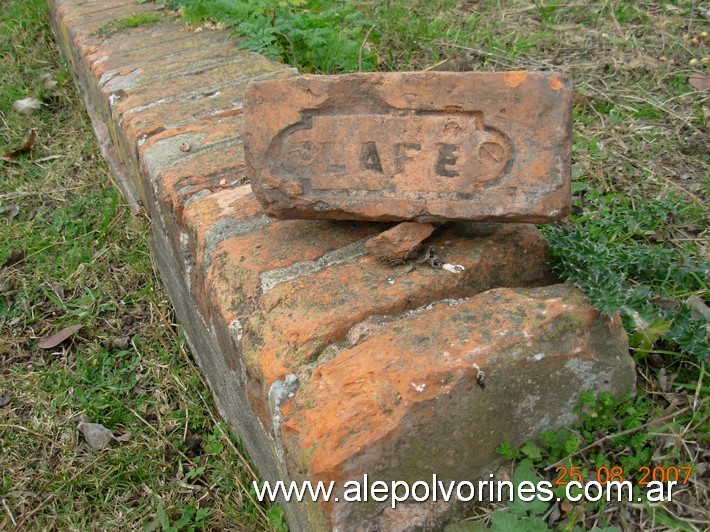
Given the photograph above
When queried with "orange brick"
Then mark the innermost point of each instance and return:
(296, 318)
(425, 146)
(435, 392)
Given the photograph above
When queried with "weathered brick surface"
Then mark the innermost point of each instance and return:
(304, 309)
(407, 402)
(265, 301)
(425, 146)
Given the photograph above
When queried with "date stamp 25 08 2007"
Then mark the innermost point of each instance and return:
(643, 476)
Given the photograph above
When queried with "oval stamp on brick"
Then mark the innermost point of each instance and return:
(423, 146)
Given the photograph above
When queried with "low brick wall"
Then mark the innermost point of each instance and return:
(327, 362)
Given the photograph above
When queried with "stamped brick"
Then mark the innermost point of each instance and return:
(424, 146)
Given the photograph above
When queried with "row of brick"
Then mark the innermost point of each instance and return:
(328, 362)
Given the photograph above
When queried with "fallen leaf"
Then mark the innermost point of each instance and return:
(5, 399)
(56, 339)
(698, 306)
(97, 436)
(123, 438)
(642, 62)
(699, 80)
(47, 81)
(10, 210)
(26, 147)
(26, 106)
(554, 514)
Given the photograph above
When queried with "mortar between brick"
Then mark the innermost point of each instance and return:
(372, 323)
(156, 61)
(92, 8)
(344, 255)
(158, 36)
(226, 228)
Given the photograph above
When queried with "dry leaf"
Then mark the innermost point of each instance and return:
(123, 438)
(26, 147)
(26, 106)
(122, 343)
(699, 80)
(56, 339)
(643, 62)
(700, 309)
(97, 436)
(47, 81)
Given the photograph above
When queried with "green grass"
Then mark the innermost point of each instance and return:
(74, 255)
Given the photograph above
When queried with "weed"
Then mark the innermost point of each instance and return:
(135, 20)
(316, 36)
(611, 441)
(611, 250)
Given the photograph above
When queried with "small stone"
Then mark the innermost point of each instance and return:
(184, 147)
(5, 399)
(453, 268)
(97, 436)
(401, 242)
(121, 343)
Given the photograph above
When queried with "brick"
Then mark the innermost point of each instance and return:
(297, 316)
(401, 242)
(409, 402)
(423, 146)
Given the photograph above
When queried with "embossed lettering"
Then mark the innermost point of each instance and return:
(330, 166)
(447, 157)
(370, 158)
(471, 155)
(403, 154)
